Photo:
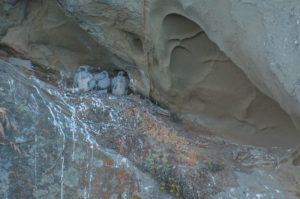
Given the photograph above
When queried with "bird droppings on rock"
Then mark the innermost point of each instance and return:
(136, 150)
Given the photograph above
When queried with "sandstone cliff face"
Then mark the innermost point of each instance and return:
(49, 38)
(231, 66)
(10, 14)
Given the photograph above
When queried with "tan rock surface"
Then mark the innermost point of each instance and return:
(49, 38)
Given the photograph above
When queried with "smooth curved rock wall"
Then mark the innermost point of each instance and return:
(206, 87)
(49, 38)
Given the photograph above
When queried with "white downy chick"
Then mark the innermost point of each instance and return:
(83, 79)
(120, 84)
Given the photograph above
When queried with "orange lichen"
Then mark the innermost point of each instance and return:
(107, 168)
(131, 111)
(181, 158)
(136, 188)
(190, 158)
(136, 197)
(193, 157)
(122, 146)
(108, 162)
(121, 174)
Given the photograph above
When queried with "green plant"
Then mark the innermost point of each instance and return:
(211, 167)
(215, 167)
(163, 171)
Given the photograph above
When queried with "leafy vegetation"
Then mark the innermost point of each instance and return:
(163, 171)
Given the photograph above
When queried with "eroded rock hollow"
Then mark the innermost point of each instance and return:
(206, 87)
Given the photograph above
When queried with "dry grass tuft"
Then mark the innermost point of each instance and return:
(136, 197)
(6, 123)
(163, 134)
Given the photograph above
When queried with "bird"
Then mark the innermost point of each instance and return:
(120, 84)
(102, 81)
(83, 79)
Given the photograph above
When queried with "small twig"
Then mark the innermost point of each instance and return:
(11, 142)
(24, 142)
(16, 148)
(3, 110)
(14, 144)
(50, 169)
(2, 130)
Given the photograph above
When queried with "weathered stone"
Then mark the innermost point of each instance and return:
(177, 51)
(231, 66)
(12, 13)
(20, 62)
(49, 38)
